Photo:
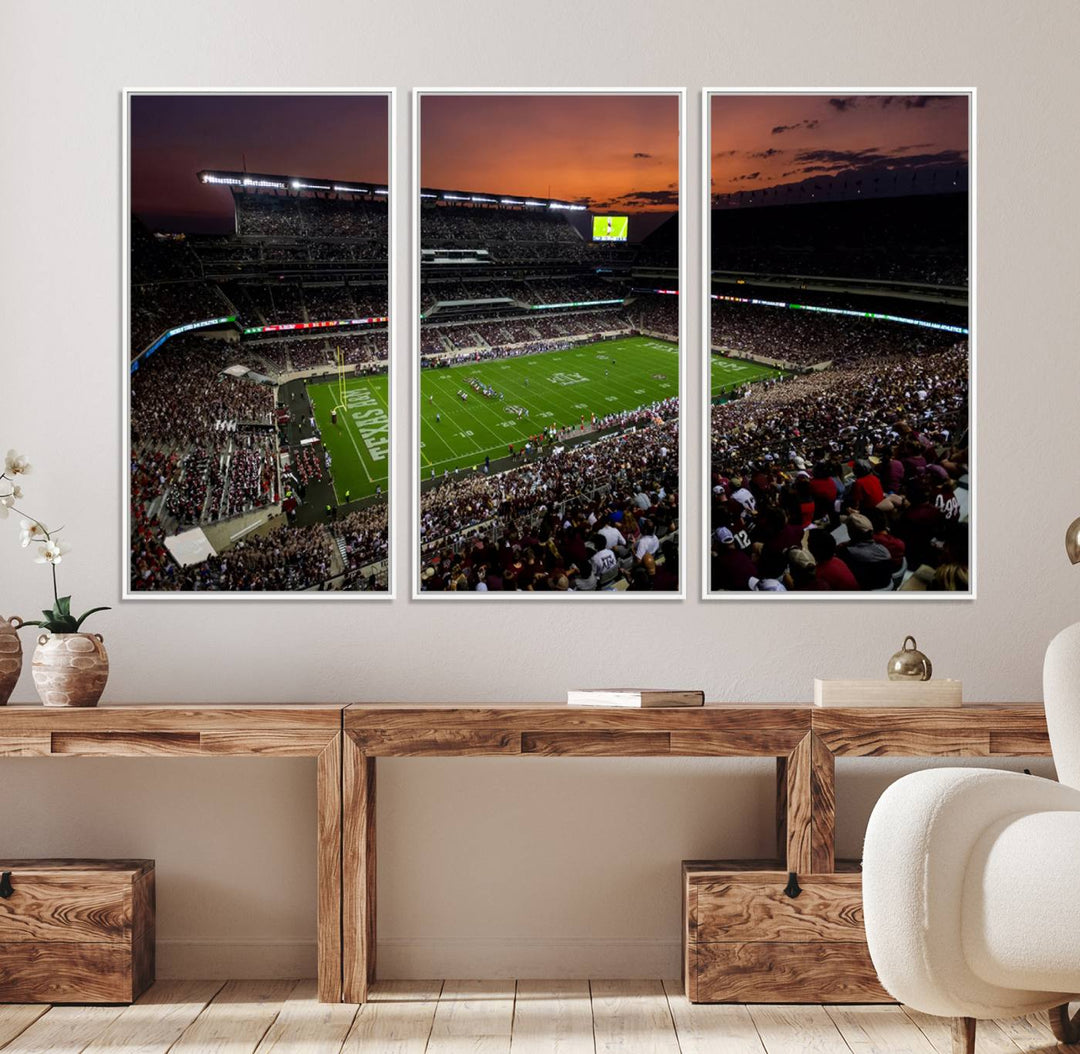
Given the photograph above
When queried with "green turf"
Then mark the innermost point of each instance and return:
(730, 373)
(562, 387)
(359, 444)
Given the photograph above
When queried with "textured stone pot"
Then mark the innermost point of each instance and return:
(10, 656)
(70, 669)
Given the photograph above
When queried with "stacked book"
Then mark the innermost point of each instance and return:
(634, 697)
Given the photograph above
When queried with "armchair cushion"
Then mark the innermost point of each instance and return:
(1021, 903)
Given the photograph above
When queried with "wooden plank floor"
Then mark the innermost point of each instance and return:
(484, 1017)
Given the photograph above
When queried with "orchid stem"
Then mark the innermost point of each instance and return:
(55, 592)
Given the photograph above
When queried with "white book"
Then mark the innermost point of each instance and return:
(633, 697)
(937, 693)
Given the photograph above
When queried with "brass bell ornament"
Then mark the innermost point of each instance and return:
(909, 664)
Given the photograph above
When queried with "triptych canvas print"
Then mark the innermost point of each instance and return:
(548, 355)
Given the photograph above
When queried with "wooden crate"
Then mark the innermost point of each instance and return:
(76, 931)
(745, 940)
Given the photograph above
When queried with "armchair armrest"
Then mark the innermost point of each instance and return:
(918, 850)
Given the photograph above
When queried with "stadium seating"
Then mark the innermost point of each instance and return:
(204, 443)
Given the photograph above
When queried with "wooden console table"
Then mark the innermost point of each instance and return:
(347, 740)
(805, 740)
(207, 730)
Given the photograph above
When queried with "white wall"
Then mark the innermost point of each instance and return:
(488, 865)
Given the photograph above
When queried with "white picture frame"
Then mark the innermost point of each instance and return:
(705, 322)
(414, 468)
(394, 195)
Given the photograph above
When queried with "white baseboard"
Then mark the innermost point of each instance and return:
(418, 958)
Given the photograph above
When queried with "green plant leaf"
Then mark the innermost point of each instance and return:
(83, 618)
(63, 606)
(49, 615)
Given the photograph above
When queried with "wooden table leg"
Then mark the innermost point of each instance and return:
(358, 888)
(823, 817)
(329, 867)
(806, 807)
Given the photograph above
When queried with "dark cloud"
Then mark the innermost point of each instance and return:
(808, 125)
(917, 102)
(844, 103)
(641, 153)
(666, 197)
(725, 153)
(840, 158)
(857, 160)
(748, 177)
(772, 151)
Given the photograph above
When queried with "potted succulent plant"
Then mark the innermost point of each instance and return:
(70, 667)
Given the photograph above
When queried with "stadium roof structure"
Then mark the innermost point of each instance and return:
(260, 182)
(510, 201)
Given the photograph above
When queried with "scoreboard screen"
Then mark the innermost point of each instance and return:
(610, 228)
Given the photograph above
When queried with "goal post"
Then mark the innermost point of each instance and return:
(339, 362)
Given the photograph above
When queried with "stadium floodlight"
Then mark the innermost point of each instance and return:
(248, 182)
(297, 185)
(208, 177)
(382, 190)
(538, 204)
(350, 190)
(489, 201)
(424, 194)
(510, 201)
(456, 197)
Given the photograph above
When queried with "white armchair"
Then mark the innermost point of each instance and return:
(971, 880)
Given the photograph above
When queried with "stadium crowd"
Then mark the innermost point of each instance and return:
(600, 516)
(805, 338)
(311, 217)
(656, 314)
(844, 480)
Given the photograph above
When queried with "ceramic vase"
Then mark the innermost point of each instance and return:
(10, 656)
(70, 669)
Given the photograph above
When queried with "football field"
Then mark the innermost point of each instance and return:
(359, 444)
(730, 373)
(557, 388)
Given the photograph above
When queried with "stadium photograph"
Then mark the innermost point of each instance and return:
(838, 329)
(549, 354)
(258, 410)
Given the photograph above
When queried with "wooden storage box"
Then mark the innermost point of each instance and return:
(745, 940)
(76, 931)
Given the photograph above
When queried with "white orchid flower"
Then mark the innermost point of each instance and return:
(30, 531)
(16, 464)
(52, 552)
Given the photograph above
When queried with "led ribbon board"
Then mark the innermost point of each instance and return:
(286, 327)
(575, 303)
(943, 326)
(176, 331)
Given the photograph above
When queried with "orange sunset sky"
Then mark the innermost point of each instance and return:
(608, 151)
